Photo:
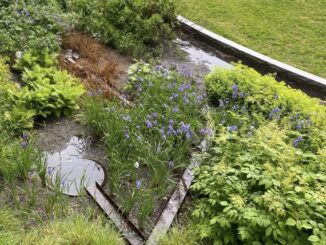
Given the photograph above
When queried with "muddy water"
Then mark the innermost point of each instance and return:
(72, 160)
(196, 54)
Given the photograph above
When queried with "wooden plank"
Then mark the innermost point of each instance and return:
(127, 229)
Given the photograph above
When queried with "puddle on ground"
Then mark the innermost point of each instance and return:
(71, 171)
(200, 56)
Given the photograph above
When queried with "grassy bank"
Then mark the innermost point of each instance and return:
(290, 31)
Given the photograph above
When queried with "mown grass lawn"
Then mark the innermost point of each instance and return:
(292, 31)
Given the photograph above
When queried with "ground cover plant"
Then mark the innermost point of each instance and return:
(30, 24)
(134, 27)
(263, 181)
(290, 31)
(148, 144)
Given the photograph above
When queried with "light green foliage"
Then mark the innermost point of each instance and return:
(290, 31)
(74, 229)
(264, 179)
(30, 24)
(180, 235)
(16, 155)
(135, 27)
(46, 91)
(150, 142)
(10, 227)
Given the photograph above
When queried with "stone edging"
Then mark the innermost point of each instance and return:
(292, 75)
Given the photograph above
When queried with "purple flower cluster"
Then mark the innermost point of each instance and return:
(232, 128)
(297, 141)
(275, 113)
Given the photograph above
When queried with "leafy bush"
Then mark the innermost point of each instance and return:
(17, 156)
(30, 24)
(131, 26)
(264, 180)
(149, 143)
(46, 91)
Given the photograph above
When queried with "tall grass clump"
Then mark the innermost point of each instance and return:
(150, 143)
(75, 229)
(264, 179)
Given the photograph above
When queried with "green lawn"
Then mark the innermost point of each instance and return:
(292, 31)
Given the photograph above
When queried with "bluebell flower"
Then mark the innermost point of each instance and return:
(232, 128)
(185, 99)
(24, 136)
(154, 114)
(176, 109)
(235, 90)
(235, 108)
(242, 95)
(174, 96)
(138, 184)
(170, 130)
(126, 134)
(188, 135)
(297, 141)
(149, 124)
(50, 170)
(24, 144)
(206, 131)
(275, 113)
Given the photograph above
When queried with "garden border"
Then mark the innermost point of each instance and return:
(311, 84)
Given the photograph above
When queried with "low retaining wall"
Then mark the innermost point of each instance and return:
(309, 83)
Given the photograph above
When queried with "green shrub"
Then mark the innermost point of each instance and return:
(264, 179)
(30, 24)
(135, 27)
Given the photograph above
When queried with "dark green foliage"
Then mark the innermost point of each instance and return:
(29, 24)
(264, 179)
(136, 27)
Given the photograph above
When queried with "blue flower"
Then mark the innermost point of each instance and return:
(235, 90)
(24, 144)
(297, 141)
(235, 107)
(232, 128)
(174, 96)
(138, 184)
(149, 124)
(126, 133)
(206, 131)
(170, 130)
(185, 99)
(175, 109)
(50, 170)
(185, 127)
(24, 136)
(275, 113)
